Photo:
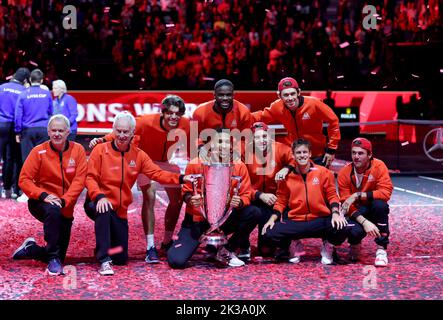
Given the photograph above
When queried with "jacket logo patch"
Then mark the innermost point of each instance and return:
(306, 116)
(71, 162)
(132, 164)
(234, 123)
(371, 178)
(315, 181)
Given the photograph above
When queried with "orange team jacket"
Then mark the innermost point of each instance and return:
(112, 174)
(238, 118)
(263, 174)
(307, 200)
(307, 123)
(47, 171)
(245, 190)
(376, 183)
(152, 137)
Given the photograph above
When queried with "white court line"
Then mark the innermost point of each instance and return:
(418, 194)
(162, 201)
(432, 179)
(416, 205)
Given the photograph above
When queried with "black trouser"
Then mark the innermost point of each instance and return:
(287, 230)
(56, 228)
(11, 154)
(111, 232)
(265, 213)
(240, 223)
(378, 213)
(30, 138)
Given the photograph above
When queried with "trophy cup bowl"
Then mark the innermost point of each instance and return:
(215, 191)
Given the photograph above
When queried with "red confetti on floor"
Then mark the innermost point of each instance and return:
(414, 272)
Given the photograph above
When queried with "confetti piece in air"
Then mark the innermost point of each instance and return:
(340, 77)
(414, 75)
(73, 70)
(312, 70)
(106, 9)
(170, 25)
(318, 53)
(9, 77)
(115, 250)
(208, 79)
(33, 63)
(404, 143)
(344, 45)
(441, 70)
(88, 74)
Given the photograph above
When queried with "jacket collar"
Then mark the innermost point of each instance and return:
(55, 150)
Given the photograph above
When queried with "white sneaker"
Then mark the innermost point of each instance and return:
(225, 256)
(296, 250)
(327, 250)
(381, 258)
(235, 262)
(354, 252)
(106, 269)
(23, 198)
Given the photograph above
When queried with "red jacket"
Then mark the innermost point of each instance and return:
(238, 118)
(307, 200)
(263, 174)
(376, 183)
(112, 174)
(239, 169)
(46, 171)
(307, 123)
(152, 137)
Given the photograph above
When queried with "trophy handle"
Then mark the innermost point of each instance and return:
(237, 187)
(195, 178)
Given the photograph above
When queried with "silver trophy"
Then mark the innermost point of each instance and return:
(215, 191)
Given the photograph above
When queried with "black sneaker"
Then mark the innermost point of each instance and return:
(22, 252)
(55, 267)
(152, 256)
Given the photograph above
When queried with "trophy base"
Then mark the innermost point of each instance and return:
(215, 240)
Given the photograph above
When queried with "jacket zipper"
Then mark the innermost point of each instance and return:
(294, 116)
(307, 200)
(61, 170)
(164, 151)
(121, 184)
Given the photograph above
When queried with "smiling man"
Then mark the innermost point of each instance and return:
(113, 168)
(224, 111)
(53, 176)
(151, 136)
(310, 196)
(303, 117)
(365, 188)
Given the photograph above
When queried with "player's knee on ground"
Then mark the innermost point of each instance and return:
(174, 260)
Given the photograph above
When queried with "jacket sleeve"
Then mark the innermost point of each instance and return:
(333, 129)
(50, 106)
(329, 189)
(93, 175)
(30, 170)
(345, 190)
(384, 185)
(18, 114)
(245, 191)
(283, 194)
(78, 183)
(153, 171)
(73, 112)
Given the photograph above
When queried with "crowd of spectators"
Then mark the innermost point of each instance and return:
(178, 44)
